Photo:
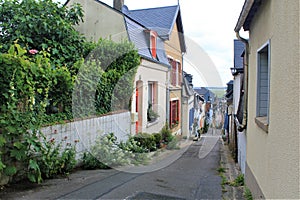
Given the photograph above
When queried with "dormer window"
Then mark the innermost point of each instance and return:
(153, 43)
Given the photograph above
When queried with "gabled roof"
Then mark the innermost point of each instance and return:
(161, 20)
(239, 48)
(139, 36)
(229, 91)
(188, 84)
(201, 90)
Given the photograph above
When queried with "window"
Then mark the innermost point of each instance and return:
(263, 84)
(175, 72)
(174, 113)
(153, 38)
(152, 102)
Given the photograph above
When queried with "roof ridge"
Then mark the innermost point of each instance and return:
(141, 9)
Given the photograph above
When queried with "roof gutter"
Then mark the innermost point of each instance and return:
(243, 16)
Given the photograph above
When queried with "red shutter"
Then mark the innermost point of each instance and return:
(179, 73)
(153, 36)
(173, 73)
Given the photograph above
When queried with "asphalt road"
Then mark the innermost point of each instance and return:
(192, 175)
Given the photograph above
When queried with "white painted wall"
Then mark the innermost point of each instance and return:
(241, 136)
(86, 131)
(150, 71)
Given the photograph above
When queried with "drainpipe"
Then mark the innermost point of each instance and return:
(243, 126)
(168, 97)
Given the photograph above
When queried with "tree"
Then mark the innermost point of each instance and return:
(43, 25)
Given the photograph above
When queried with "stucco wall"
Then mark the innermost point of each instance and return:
(149, 71)
(273, 157)
(187, 105)
(83, 133)
(100, 21)
(172, 46)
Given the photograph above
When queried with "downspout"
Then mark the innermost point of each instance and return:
(168, 98)
(243, 126)
(243, 16)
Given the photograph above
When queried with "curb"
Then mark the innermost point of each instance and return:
(231, 173)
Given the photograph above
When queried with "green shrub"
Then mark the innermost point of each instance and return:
(146, 141)
(53, 159)
(173, 144)
(131, 145)
(107, 153)
(157, 139)
(166, 134)
(90, 162)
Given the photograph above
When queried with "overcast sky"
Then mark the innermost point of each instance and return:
(208, 23)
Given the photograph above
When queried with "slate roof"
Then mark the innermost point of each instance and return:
(239, 48)
(229, 91)
(188, 83)
(201, 90)
(161, 20)
(138, 35)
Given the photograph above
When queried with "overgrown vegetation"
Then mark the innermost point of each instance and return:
(107, 152)
(238, 181)
(40, 56)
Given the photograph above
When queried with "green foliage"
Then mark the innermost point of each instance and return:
(107, 153)
(132, 145)
(85, 88)
(26, 83)
(89, 161)
(238, 181)
(247, 194)
(105, 79)
(173, 144)
(166, 134)
(119, 62)
(158, 139)
(221, 170)
(146, 141)
(43, 25)
(53, 160)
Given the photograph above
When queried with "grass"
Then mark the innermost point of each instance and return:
(247, 194)
(238, 181)
(221, 171)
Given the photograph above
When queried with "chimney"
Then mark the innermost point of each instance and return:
(118, 4)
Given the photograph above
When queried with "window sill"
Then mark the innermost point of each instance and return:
(149, 124)
(262, 122)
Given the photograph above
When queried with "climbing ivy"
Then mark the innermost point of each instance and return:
(27, 77)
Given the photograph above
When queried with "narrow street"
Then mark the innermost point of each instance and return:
(192, 176)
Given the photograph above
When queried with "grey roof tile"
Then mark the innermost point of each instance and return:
(239, 48)
(140, 38)
(159, 19)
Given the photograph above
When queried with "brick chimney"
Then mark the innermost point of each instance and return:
(118, 4)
